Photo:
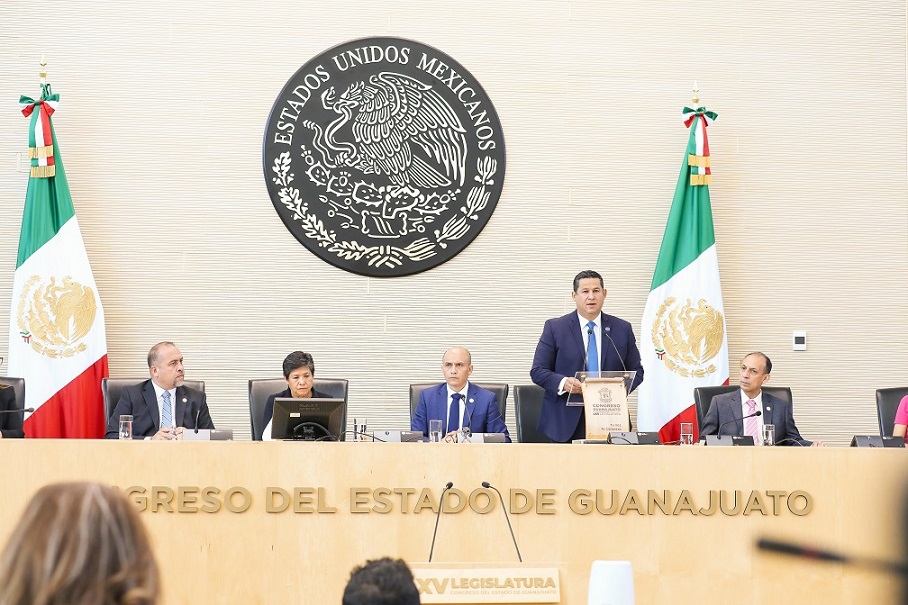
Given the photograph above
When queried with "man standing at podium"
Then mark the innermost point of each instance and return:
(584, 340)
(457, 403)
(161, 406)
(746, 411)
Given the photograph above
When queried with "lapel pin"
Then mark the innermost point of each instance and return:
(768, 409)
(471, 400)
(184, 400)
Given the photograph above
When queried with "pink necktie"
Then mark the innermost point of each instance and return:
(750, 424)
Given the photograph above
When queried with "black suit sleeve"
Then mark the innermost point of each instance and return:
(11, 423)
(710, 420)
(142, 425)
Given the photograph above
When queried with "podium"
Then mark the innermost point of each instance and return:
(603, 396)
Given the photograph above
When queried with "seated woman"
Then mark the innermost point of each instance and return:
(80, 544)
(10, 422)
(901, 420)
(299, 372)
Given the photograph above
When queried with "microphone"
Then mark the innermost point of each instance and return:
(816, 554)
(18, 411)
(466, 431)
(197, 409)
(441, 499)
(757, 413)
(606, 330)
(504, 509)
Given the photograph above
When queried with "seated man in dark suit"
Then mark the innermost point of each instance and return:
(161, 407)
(11, 421)
(457, 403)
(726, 414)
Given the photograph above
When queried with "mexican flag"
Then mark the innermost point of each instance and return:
(683, 337)
(56, 328)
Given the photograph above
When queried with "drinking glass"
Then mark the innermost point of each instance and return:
(435, 431)
(687, 433)
(125, 426)
(769, 434)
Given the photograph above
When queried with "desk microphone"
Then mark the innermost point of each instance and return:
(816, 554)
(757, 413)
(437, 516)
(504, 509)
(18, 411)
(197, 409)
(606, 330)
(467, 431)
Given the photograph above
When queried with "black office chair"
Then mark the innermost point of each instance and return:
(527, 407)
(18, 385)
(111, 388)
(703, 396)
(499, 388)
(260, 389)
(887, 404)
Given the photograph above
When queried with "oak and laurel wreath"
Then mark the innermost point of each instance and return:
(387, 256)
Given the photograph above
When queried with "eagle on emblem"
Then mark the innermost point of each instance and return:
(401, 128)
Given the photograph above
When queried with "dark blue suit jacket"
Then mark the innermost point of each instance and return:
(482, 410)
(726, 408)
(141, 402)
(561, 353)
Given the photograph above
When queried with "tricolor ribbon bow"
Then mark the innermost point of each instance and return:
(40, 136)
(698, 145)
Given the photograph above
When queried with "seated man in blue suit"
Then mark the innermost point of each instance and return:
(457, 403)
(583, 340)
(161, 407)
(726, 414)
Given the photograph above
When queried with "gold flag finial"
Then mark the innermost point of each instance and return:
(43, 72)
(696, 91)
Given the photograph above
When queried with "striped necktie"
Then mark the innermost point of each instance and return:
(166, 411)
(750, 424)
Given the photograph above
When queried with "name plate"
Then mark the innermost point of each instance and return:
(207, 435)
(486, 583)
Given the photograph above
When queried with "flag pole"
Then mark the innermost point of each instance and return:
(43, 72)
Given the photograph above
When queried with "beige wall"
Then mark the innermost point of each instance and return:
(161, 124)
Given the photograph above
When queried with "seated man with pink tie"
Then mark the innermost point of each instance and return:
(736, 413)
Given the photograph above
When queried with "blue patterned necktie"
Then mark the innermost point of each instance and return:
(166, 411)
(592, 353)
(454, 414)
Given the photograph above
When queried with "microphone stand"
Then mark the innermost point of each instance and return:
(441, 500)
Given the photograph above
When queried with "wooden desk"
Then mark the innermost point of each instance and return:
(270, 557)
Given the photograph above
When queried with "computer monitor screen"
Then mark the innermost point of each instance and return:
(313, 419)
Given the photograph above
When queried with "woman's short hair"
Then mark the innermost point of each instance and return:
(298, 359)
(79, 544)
